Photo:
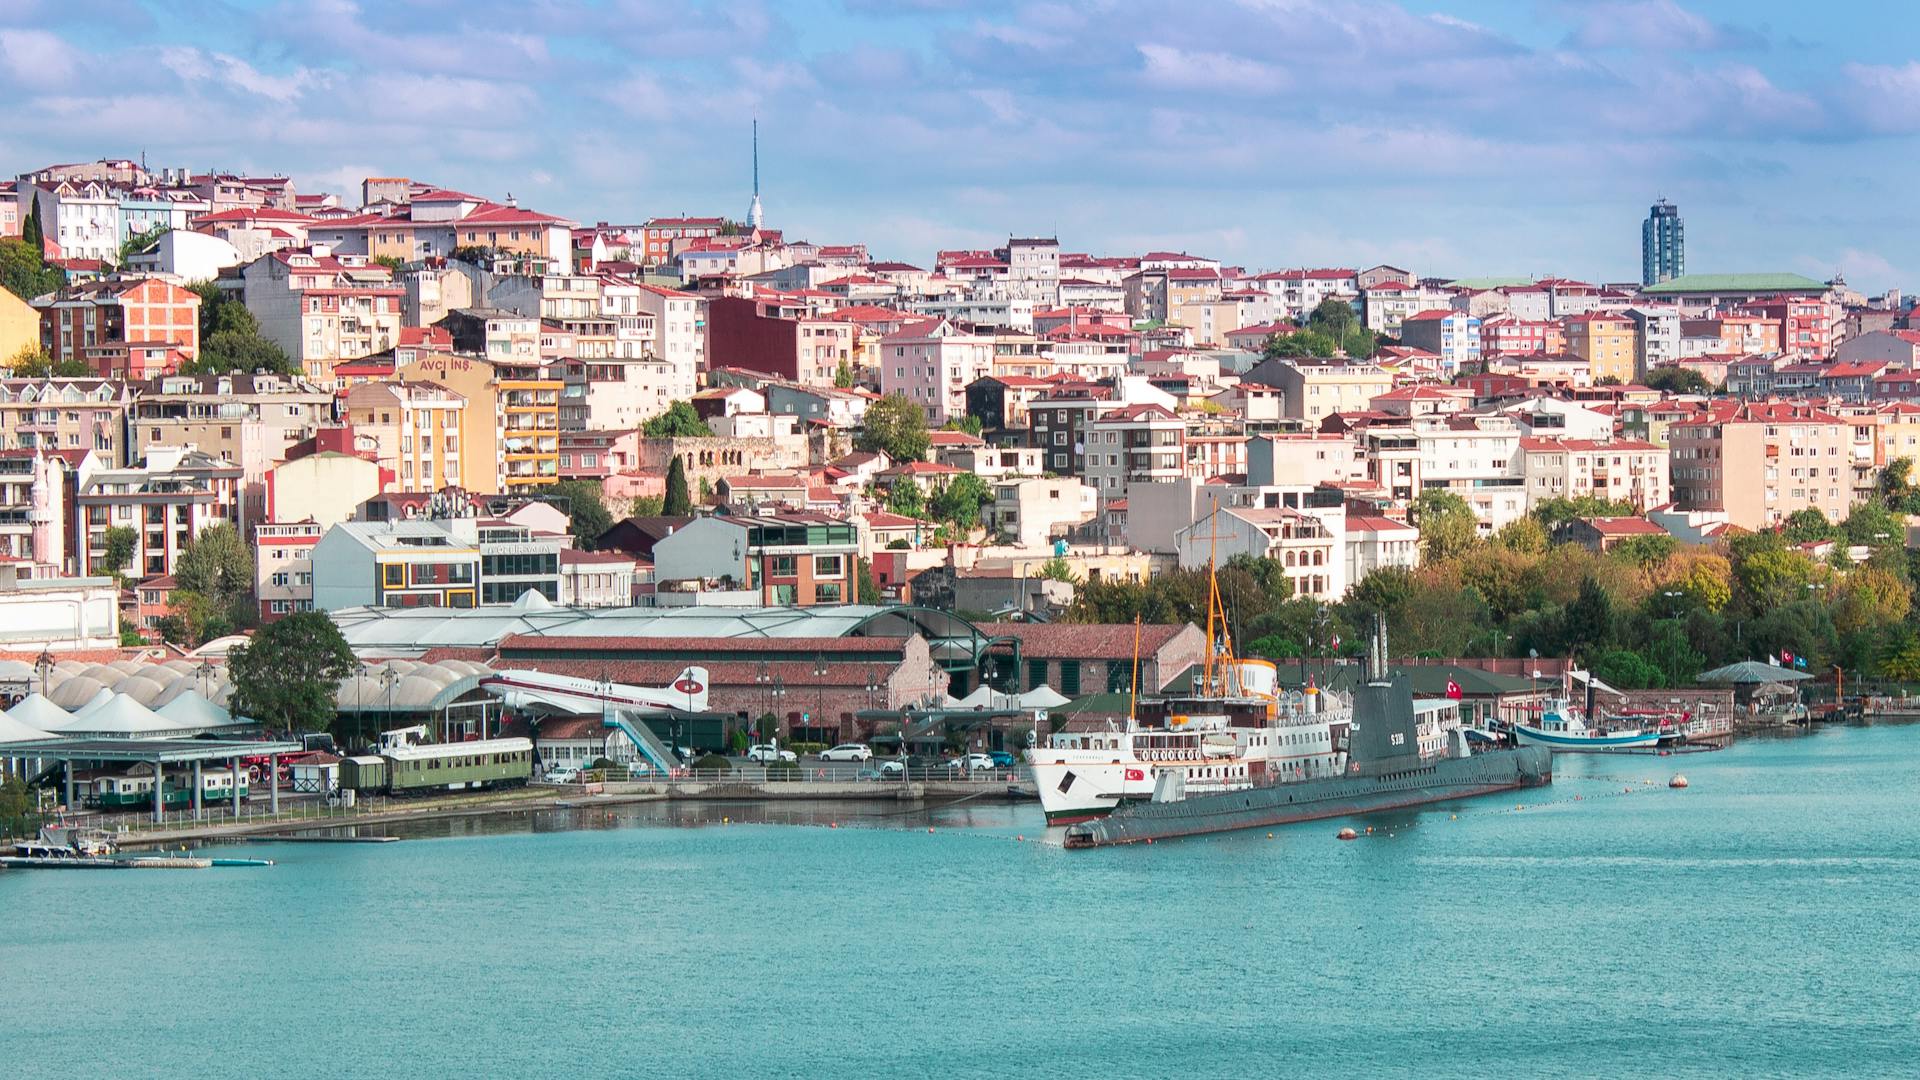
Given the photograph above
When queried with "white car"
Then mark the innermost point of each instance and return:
(563, 775)
(767, 754)
(975, 762)
(852, 751)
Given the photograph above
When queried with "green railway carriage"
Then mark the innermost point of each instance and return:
(458, 766)
(134, 790)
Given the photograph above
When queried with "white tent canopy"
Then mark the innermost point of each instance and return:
(36, 712)
(985, 697)
(12, 731)
(189, 709)
(123, 717)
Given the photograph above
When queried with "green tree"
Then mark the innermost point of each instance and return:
(1677, 380)
(34, 362)
(1646, 552)
(1560, 510)
(24, 273)
(587, 514)
(843, 375)
(391, 262)
(1625, 669)
(678, 422)
(895, 426)
(647, 506)
(1670, 648)
(229, 351)
(1300, 343)
(215, 564)
(969, 424)
(1807, 525)
(1872, 525)
(1332, 316)
(1768, 579)
(121, 540)
(1901, 658)
(1588, 621)
(866, 586)
(678, 501)
(1896, 486)
(1523, 535)
(1058, 569)
(287, 676)
(960, 501)
(1447, 524)
(904, 497)
(32, 233)
(16, 808)
(139, 242)
(1870, 599)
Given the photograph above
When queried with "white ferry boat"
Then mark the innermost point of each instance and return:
(1562, 728)
(1234, 730)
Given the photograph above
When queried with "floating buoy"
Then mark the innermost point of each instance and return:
(929, 828)
(1626, 791)
(1021, 837)
(1149, 839)
(1346, 834)
(1453, 817)
(1678, 781)
(725, 821)
(834, 825)
(1369, 830)
(1269, 836)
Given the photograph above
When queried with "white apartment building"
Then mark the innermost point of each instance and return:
(1472, 456)
(679, 327)
(616, 394)
(1621, 469)
(1310, 548)
(931, 363)
(82, 217)
(1376, 543)
(1034, 510)
(324, 308)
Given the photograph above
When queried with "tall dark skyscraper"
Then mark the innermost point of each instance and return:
(1663, 244)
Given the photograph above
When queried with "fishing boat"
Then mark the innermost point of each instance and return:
(1561, 728)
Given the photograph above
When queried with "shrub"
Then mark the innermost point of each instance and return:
(783, 770)
(804, 748)
(712, 763)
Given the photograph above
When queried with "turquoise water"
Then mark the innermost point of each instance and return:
(1761, 923)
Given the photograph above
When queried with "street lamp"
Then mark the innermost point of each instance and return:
(44, 665)
(819, 688)
(1674, 595)
(760, 679)
(779, 691)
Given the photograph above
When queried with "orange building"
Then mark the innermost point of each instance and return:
(119, 324)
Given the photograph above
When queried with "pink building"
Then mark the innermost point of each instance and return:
(931, 363)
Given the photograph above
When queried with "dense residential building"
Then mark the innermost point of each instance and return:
(932, 363)
(775, 335)
(167, 500)
(250, 420)
(509, 436)
(1607, 342)
(123, 327)
(415, 428)
(1314, 389)
(283, 566)
(1759, 462)
(66, 414)
(788, 559)
(323, 308)
(1454, 336)
(1623, 470)
(1133, 444)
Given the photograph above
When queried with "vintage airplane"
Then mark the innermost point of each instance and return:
(536, 690)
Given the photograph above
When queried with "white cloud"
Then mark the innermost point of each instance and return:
(1659, 25)
(1884, 98)
(196, 66)
(37, 58)
(1179, 69)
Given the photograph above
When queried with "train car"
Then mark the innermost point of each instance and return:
(134, 790)
(457, 766)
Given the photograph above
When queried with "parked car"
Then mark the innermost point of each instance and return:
(871, 774)
(891, 769)
(563, 775)
(1002, 759)
(852, 751)
(767, 754)
(974, 763)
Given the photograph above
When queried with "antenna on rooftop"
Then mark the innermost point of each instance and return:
(754, 214)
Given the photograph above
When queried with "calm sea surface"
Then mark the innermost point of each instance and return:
(1764, 922)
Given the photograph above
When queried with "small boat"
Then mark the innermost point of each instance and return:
(1563, 729)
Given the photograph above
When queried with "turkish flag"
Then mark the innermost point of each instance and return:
(1136, 774)
(1453, 690)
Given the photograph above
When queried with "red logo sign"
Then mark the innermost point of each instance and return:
(689, 685)
(1136, 774)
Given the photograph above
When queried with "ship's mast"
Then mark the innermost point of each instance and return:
(1133, 694)
(1217, 610)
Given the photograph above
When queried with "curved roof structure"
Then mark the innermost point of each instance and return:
(414, 686)
(412, 631)
(120, 715)
(18, 730)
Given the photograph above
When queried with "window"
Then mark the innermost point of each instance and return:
(1036, 674)
(782, 566)
(394, 575)
(1070, 678)
(829, 566)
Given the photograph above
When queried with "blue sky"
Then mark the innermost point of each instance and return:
(1447, 136)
